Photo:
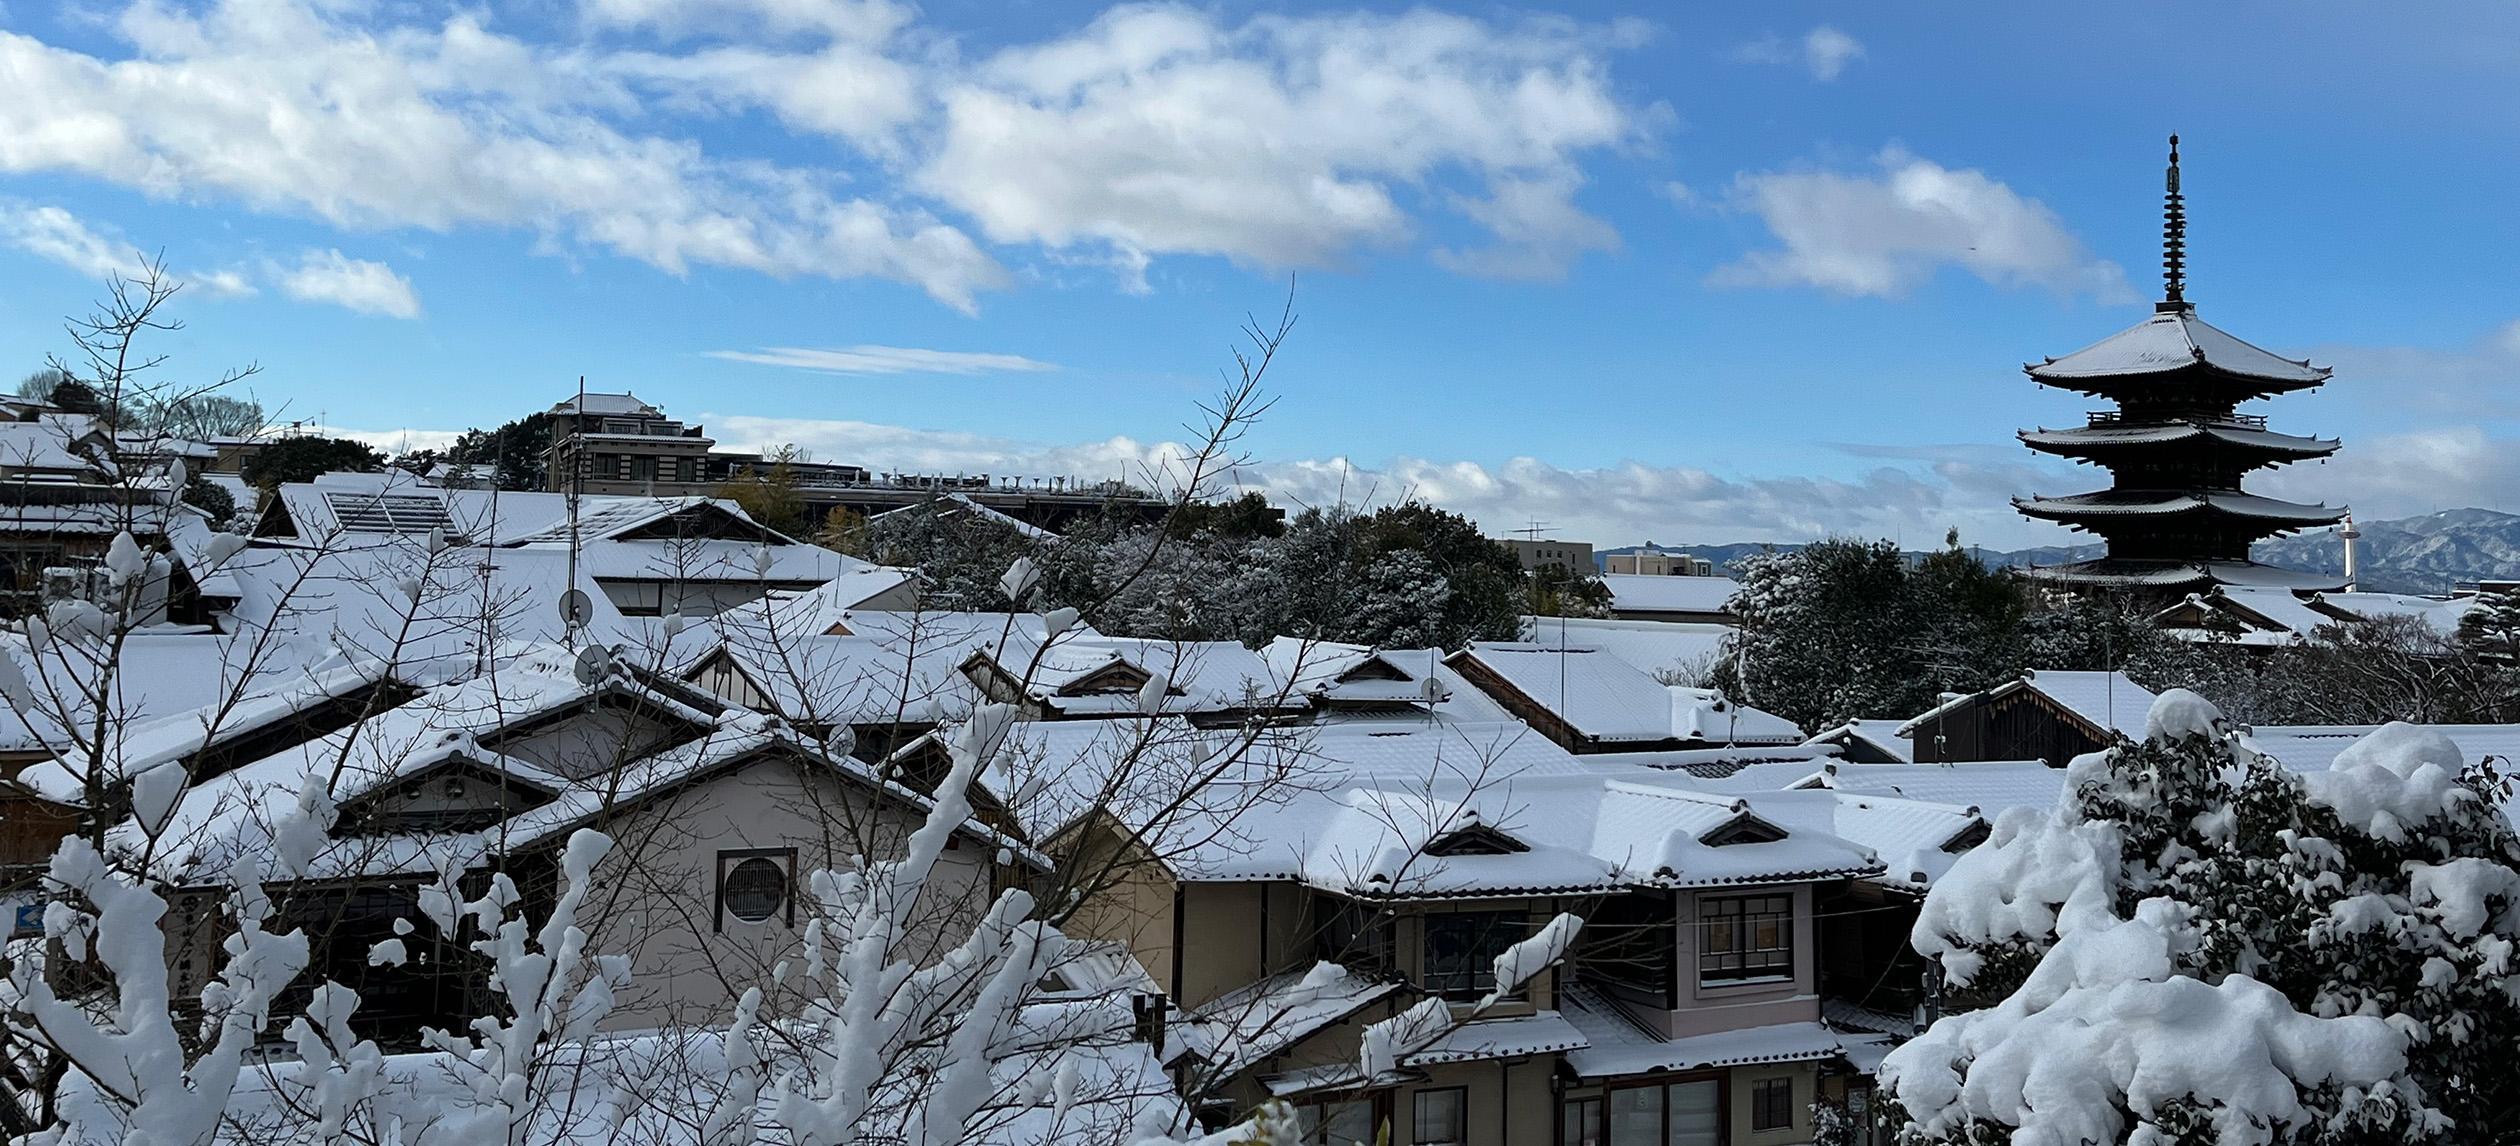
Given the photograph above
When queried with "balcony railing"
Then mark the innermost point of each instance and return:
(2243, 421)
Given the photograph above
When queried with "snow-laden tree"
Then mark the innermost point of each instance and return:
(2198, 945)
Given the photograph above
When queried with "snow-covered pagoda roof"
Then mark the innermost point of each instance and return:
(2092, 438)
(2155, 503)
(2147, 573)
(2173, 340)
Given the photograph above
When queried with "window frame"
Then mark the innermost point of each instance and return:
(727, 861)
(1514, 924)
(1762, 1091)
(1460, 1096)
(1749, 962)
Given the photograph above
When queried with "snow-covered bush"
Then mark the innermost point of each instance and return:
(2199, 945)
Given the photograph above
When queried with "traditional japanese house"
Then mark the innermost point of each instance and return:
(2175, 516)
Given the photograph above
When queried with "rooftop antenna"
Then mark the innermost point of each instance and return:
(1533, 530)
(2173, 239)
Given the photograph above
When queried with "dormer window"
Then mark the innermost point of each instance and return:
(1742, 829)
(1116, 677)
(1475, 840)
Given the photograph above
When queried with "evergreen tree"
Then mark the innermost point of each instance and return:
(2343, 940)
(2491, 628)
(285, 460)
(518, 452)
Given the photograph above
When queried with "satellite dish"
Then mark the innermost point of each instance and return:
(576, 609)
(593, 664)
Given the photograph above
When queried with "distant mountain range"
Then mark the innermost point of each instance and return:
(2408, 555)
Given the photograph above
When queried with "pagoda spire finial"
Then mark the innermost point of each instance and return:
(2173, 236)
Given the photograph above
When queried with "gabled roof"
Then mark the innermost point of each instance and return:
(1089, 674)
(1600, 696)
(877, 667)
(1607, 700)
(1882, 735)
(2172, 341)
(1686, 647)
(2270, 610)
(2107, 702)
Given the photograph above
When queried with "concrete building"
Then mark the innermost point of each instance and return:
(1572, 556)
(1654, 561)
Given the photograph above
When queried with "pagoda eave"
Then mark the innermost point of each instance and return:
(2101, 440)
(2144, 506)
(2175, 575)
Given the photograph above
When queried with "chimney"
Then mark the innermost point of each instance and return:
(2351, 535)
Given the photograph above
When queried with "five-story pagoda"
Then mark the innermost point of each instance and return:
(2175, 517)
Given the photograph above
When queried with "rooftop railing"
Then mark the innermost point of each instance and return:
(2243, 421)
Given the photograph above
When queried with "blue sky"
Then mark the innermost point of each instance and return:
(1726, 272)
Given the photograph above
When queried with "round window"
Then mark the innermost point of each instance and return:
(755, 889)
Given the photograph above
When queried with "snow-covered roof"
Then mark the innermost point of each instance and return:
(1607, 700)
(850, 667)
(1617, 1047)
(1256, 1021)
(1370, 810)
(1707, 714)
(1355, 683)
(2165, 574)
(2082, 438)
(228, 715)
(963, 503)
(59, 443)
(1687, 647)
(1882, 735)
(1599, 695)
(1081, 673)
(1649, 593)
(2441, 613)
(2260, 609)
(359, 602)
(2171, 341)
(2109, 701)
(163, 672)
(2151, 503)
(1479, 1040)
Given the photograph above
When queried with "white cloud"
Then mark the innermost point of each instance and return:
(1156, 130)
(1884, 234)
(291, 108)
(1827, 51)
(358, 284)
(1824, 51)
(56, 235)
(885, 360)
(1284, 141)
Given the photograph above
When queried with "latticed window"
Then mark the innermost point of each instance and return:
(1745, 937)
